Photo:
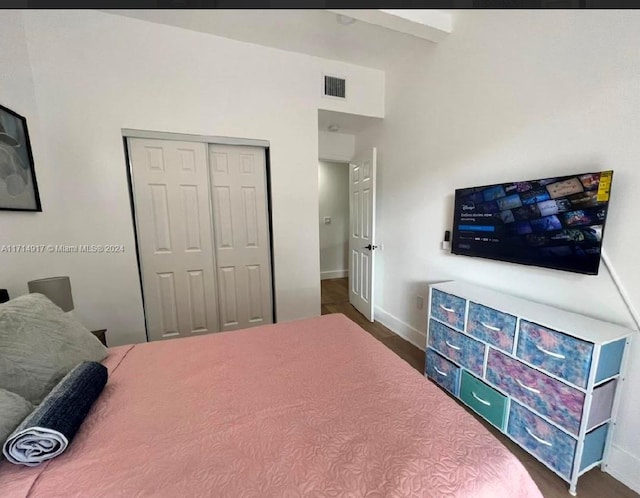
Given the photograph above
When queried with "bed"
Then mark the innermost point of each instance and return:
(309, 408)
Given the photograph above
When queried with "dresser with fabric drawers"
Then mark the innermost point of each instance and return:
(545, 377)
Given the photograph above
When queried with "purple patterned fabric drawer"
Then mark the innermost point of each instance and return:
(547, 442)
(448, 308)
(454, 345)
(442, 371)
(491, 326)
(548, 396)
(567, 357)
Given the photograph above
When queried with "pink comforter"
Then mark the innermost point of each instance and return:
(311, 408)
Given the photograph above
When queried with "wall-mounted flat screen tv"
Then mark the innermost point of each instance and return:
(554, 222)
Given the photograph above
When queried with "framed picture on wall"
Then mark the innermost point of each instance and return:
(18, 186)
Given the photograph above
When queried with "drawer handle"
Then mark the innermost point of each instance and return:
(449, 310)
(444, 374)
(483, 401)
(539, 439)
(532, 389)
(551, 353)
(490, 327)
(457, 348)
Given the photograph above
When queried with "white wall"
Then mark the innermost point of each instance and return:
(513, 95)
(365, 89)
(93, 74)
(336, 146)
(333, 192)
(17, 93)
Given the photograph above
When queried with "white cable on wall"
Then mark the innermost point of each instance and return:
(621, 290)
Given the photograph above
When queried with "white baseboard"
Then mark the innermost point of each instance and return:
(624, 466)
(326, 275)
(404, 330)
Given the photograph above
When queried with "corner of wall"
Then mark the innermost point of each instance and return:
(624, 466)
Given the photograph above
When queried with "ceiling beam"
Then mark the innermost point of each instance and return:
(432, 25)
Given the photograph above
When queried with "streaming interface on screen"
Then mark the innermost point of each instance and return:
(554, 222)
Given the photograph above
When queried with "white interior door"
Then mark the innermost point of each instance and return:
(241, 234)
(362, 201)
(173, 219)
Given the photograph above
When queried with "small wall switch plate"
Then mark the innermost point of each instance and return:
(381, 247)
(445, 245)
(419, 302)
(327, 220)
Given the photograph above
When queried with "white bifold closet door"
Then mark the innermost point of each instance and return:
(241, 235)
(203, 236)
(173, 220)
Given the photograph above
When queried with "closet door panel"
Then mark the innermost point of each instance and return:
(174, 229)
(240, 218)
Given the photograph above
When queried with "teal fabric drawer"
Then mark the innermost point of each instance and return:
(610, 359)
(442, 371)
(559, 354)
(448, 308)
(491, 326)
(456, 346)
(594, 443)
(485, 400)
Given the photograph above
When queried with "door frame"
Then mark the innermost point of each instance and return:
(206, 139)
(185, 137)
(348, 163)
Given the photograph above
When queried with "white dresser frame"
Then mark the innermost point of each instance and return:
(588, 329)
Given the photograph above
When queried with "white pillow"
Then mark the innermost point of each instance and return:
(40, 344)
(13, 410)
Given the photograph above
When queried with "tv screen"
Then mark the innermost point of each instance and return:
(554, 222)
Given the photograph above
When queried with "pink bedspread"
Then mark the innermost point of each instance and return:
(312, 408)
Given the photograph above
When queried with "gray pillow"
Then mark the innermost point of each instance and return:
(13, 410)
(40, 344)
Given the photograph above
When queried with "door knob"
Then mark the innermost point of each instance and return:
(370, 247)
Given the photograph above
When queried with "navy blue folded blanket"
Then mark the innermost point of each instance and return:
(51, 427)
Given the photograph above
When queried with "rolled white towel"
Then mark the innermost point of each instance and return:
(48, 430)
(34, 445)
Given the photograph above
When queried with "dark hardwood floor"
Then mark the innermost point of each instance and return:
(335, 299)
(593, 484)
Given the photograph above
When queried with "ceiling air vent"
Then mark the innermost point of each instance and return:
(334, 87)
